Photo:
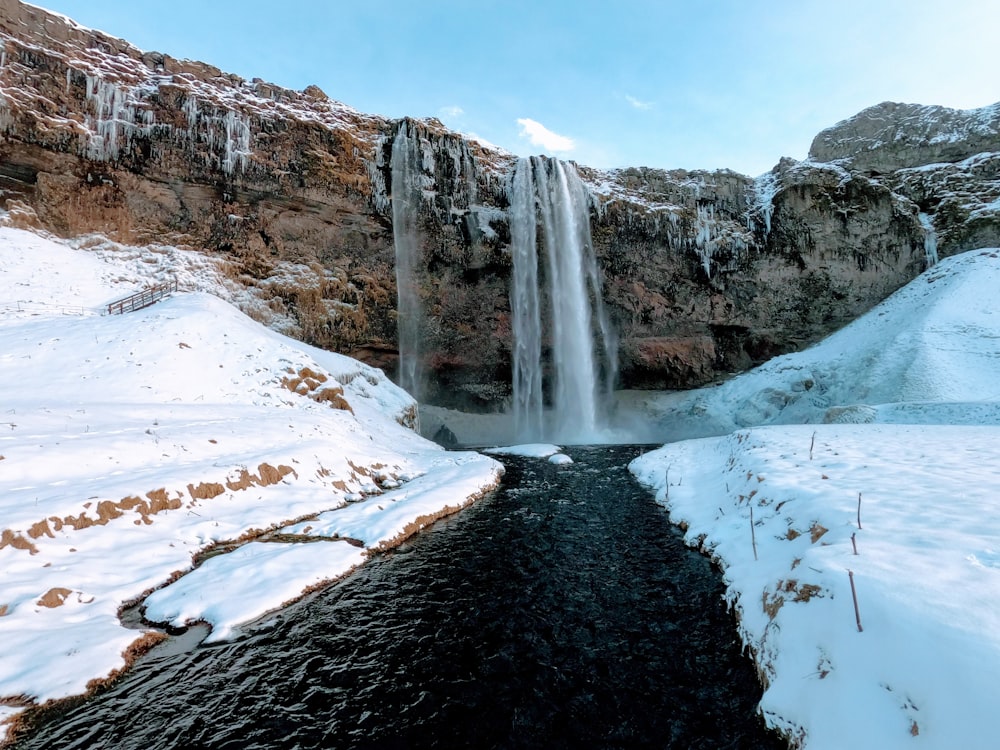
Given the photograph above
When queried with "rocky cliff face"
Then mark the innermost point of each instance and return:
(705, 273)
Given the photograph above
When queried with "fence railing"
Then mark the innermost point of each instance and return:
(145, 298)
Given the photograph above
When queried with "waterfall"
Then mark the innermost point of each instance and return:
(930, 239)
(406, 195)
(524, 304)
(548, 195)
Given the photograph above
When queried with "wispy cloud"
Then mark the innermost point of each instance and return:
(452, 111)
(638, 103)
(539, 135)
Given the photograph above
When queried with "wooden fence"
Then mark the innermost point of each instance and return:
(145, 298)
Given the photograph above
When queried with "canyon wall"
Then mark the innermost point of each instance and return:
(704, 273)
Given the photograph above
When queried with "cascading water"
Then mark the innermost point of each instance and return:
(549, 195)
(406, 196)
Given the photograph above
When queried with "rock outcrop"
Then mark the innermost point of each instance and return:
(892, 136)
(705, 273)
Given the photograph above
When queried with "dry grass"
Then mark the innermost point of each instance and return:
(17, 541)
(816, 531)
(772, 603)
(54, 597)
(785, 590)
(307, 382)
(156, 501)
(333, 396)
(205, 490)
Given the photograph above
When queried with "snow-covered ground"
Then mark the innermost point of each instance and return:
(890, 478)
(128, 444)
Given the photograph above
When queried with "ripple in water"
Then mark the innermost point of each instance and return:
(564, 611)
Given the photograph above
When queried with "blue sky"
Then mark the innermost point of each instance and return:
(723, 83)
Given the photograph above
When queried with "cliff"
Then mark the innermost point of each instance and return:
(705, 273)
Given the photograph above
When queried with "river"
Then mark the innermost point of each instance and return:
(563, 611)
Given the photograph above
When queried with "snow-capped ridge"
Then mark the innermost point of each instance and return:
(892, 135)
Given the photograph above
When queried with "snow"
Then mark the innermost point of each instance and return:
(132, 444)
(530, 450)
(221, 593)
(900, 462)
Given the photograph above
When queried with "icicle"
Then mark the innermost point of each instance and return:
(116, 117)
(190, 108)
(237, 142)
(704, 241)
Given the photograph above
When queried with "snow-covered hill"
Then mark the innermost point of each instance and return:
(129, 444)
(928, 353)
(890, 489)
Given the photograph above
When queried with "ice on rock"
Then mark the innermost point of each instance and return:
(930, 239)
(118, 116)
(765, 188)
(227, 134)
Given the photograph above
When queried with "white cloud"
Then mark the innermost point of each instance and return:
(452, 110)
(637, 103)
(539, 135)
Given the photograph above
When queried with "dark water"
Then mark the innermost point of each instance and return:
(563, 612)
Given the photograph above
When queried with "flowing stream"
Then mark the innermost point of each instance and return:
(563, 611)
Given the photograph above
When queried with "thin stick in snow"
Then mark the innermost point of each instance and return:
(854, 542)
(854, 595)
(753, 536)
(812, 443)
(859, 510)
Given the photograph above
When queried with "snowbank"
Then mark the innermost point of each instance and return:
(892, 488)
(130, 444)
(530, 450)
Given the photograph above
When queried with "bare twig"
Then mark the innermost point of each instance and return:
(753, 536)
(854, 595)
(854, 543)
(859, 510)
(812, 443)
